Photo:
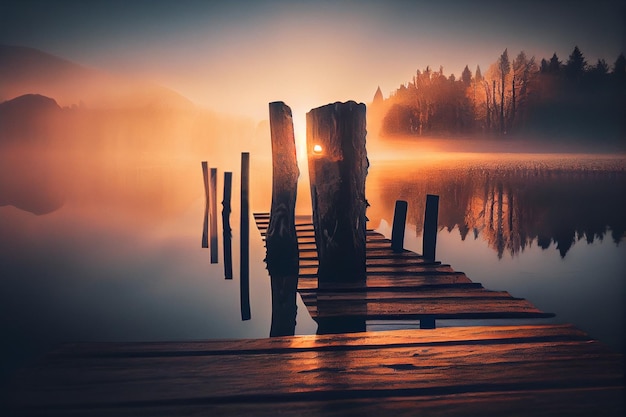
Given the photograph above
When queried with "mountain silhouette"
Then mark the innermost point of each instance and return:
(28, 119)
(74, 135)
(27, 71)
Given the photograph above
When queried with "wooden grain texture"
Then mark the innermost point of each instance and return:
(400, 286)
(450, 371)
(450, 335)
(337, 173)
(530, 370)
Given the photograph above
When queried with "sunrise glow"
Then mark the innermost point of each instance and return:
(135, 135)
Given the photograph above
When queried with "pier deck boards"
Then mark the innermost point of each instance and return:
(399, 286)
(529, 370)
(487, 371)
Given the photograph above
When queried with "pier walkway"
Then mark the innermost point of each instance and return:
(529, 370)
(399, 286)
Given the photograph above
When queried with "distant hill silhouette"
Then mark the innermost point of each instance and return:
(73, 135)
(29, 179)
(28, 119)
(26, 71)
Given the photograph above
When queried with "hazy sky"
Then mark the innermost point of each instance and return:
(236, 56)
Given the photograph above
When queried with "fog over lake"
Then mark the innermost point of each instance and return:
(119, 257)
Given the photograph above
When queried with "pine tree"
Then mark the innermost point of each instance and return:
(378, 97)
(601, 67)
(576, 64)
(555, 65)
(619, 68)
(466, 76)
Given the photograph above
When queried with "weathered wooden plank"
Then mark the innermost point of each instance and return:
(380, 294)
(373, 340)
(378, 252)
(439, 308)
(446, 369)
(390, 269)
(266, 215)
(387, 281)
(380, 261)
(414, 359)
(373, 253)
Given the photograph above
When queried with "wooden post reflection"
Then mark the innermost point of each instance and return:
(244, 229)
(281, 240)
(213, 216)
(226, 230)
(205, 227)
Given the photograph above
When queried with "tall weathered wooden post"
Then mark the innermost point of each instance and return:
(399, 223)
(281, 241)
(244, 233)
(431, 216)
(337, 168)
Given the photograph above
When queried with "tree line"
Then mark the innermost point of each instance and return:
(514, 95)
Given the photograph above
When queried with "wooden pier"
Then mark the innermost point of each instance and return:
(529, 370)
(399, 286)
(545, 370)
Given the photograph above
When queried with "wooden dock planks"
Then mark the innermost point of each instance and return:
(399, 286)
(530, 370)
(509, 370)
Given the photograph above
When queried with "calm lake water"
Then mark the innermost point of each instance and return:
(120, 257)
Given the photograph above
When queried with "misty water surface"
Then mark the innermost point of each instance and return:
(546, 227)
(112, 251)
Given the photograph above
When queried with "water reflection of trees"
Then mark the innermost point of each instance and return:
(510, 209)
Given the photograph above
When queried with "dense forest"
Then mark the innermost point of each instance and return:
(514, 96)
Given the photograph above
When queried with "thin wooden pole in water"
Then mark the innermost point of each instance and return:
(244, 226)
(399, 223)
(205, 226)
(431, 215)
(226, 230)
(213, 216)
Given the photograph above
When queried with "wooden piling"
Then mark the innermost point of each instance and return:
(399, 223)
(281, 241)
(205, 226)
(226, 229)
(337, 168)
(213, 216)
(244, 229)
(429, 241)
